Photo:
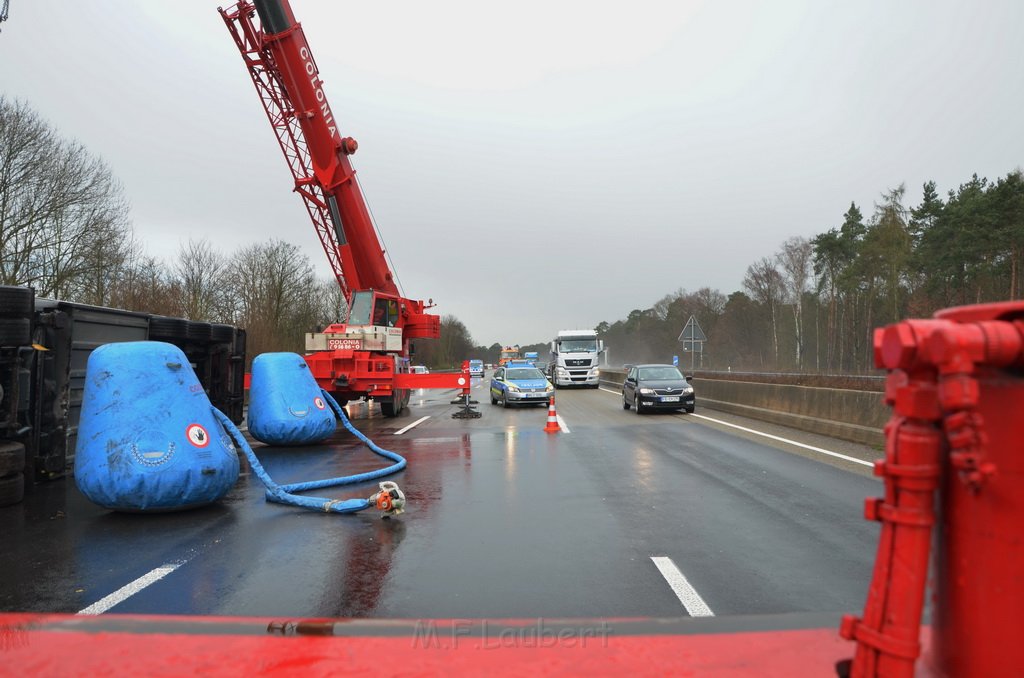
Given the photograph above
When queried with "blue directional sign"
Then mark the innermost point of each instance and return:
(675, 360)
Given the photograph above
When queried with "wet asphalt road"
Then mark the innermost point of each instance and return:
(503, 521)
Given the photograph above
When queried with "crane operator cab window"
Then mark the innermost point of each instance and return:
(362, 304)
(369, 311)
(385, 312)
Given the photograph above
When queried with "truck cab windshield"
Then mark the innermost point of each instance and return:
(578, 346)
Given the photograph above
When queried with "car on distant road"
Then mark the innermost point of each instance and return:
(520, 383)
(476, 368)
(657, 387)
(419, 369)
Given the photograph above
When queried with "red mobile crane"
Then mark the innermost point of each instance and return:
(367, 356)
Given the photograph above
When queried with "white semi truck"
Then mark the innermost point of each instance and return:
(576, 358)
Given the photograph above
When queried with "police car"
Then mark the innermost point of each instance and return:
(519, 382)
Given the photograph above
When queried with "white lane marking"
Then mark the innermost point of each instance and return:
(778, 438)
(608, 390)
(561, 424)
(788, 441)
(415, 423)
(688, 596)
(129, 590)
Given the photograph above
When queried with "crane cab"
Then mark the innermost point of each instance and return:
(374, 324)
(374, 308)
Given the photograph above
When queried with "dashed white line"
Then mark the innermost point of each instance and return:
(812, 448)
(129, 590)
(415, 423)
(787, 441)
(688, 596)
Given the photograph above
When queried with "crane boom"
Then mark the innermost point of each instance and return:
(287, 79)
(367, 356)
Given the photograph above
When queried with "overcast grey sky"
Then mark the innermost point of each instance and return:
(541, 165)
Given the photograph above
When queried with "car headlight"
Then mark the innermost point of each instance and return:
(513, 387)
(549, 388)
(647, 391)
(688, 390)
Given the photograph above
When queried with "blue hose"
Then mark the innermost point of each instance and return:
(282, 494)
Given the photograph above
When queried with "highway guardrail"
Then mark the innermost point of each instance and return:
(848, 414)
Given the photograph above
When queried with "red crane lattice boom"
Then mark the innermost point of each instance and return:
(286, 77)
(367, 354)
(266, 78)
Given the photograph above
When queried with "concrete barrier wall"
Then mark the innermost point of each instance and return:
(841, 413)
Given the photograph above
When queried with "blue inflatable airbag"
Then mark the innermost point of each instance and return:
(286, 406)
(147, 439)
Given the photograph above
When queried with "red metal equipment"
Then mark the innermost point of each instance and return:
(367, 356)
(956, 387)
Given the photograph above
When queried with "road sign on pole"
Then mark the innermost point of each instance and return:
(692, 331)
(693, 339)
(675, 360)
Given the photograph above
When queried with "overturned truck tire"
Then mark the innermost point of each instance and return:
(15, 302)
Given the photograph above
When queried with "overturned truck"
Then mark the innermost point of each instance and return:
(44, 347)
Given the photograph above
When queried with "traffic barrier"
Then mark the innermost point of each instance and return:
(844, 413)
(552, 425)
(148, 439)
(286, 406)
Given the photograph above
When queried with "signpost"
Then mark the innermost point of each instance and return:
(693, 339)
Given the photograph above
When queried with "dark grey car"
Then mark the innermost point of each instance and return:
(657, 387)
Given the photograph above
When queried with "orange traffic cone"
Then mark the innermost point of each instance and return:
(552, 425)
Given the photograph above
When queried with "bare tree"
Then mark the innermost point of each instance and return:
(24, 143)
(711, 301)
(455, 343)
(63, 216)
(146, 285)
(662, 306)
(766, 286)
(332, 305)
(273, 285)
(795, 259)
(200, 273)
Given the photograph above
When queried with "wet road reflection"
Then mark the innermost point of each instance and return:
(503, 520)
